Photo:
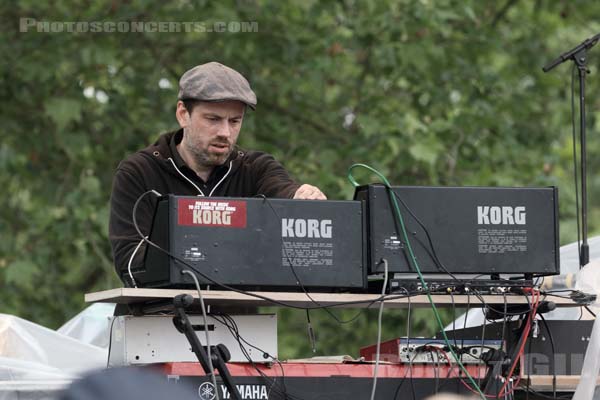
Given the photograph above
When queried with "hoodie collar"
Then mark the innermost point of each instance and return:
(175, 140)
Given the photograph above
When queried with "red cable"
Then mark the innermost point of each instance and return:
(534, 307)
(522, 348)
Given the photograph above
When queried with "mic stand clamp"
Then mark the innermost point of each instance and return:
(219, 354)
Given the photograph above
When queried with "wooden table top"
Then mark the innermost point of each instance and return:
(342, 300)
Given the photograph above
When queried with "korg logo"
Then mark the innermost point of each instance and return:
(496, 215)
(207, 217)
(301, 228)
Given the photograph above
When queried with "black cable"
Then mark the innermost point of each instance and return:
(504, 320)
(453, 320)
(435, 258)
(576, 296)
(548, 292)
(451, 368)
(282, 378)
(436, 369)
(234, 330)
(505, 313)
(462, 341)
(412, 383)
(431, 253)
(110, 332)
(453, 333)
(311, 332)
(460, 350)
(410, 364)
(590, 311)
(552, 360)
(556, 295)
(481, 347)
(379, 329)
(528, 370)
(404, 377)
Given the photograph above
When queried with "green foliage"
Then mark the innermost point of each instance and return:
(432, 93)
(358, 328)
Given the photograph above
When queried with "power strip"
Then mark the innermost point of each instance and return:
(447, 286)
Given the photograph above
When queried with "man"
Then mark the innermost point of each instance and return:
(199, 159)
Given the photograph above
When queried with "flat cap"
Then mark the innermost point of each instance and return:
(215, 82)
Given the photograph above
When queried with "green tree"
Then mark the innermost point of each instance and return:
(430, 93)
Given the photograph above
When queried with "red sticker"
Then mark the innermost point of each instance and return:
(202, 212)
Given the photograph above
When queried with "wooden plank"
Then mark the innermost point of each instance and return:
(566, 383)
(342, 300)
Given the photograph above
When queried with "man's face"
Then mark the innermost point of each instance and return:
(211, 130)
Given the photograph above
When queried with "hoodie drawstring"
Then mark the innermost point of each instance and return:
(193, 184)
(222, 179)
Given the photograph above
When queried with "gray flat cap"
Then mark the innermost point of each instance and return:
(215, 82)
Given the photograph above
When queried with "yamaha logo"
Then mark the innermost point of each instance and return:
(501, 215)
(207, 391)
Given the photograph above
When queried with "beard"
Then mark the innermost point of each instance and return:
(205, 157)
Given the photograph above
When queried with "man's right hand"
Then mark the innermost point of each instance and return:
(309, 192)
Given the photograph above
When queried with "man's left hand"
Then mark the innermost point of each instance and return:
(309, 192)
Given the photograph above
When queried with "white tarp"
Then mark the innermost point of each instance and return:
(27, 380)
(588, 280)
(36, 361)
(91, 325)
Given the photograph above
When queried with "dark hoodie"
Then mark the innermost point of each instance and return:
(160, 167)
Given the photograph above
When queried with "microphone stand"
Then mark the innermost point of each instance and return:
(219, 354)
(579, 55)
